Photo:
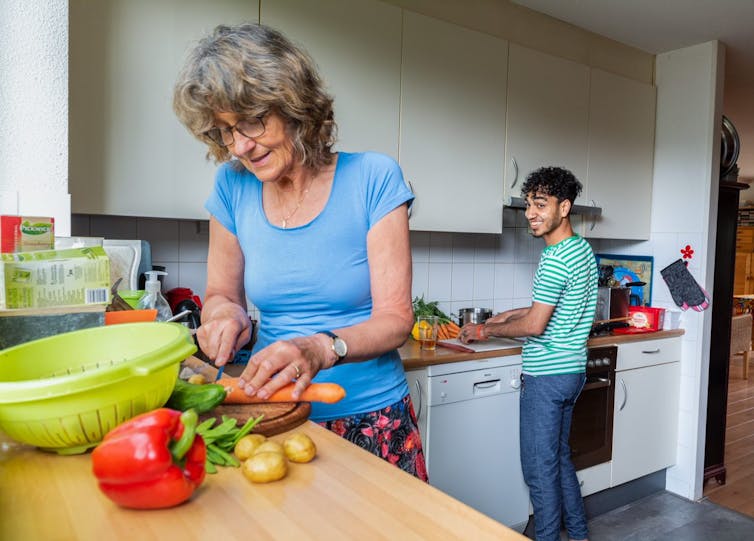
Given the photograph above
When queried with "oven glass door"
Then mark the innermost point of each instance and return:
(592, 423)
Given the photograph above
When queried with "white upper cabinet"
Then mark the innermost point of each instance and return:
(357, 46)
(621, 150)
(453, 125)
(128, 153)
(547, 118)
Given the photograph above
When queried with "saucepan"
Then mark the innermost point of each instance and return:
(473, 315)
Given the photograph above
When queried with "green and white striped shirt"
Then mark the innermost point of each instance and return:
(567, 279)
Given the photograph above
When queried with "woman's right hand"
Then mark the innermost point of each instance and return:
(224, 333)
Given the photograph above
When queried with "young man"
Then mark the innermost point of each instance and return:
(557, 326)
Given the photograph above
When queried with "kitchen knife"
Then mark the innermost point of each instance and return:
(455, 347)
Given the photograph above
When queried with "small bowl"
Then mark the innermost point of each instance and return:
(63, 393)
(130, 316)
(131, 296)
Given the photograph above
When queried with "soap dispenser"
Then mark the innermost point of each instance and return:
(153, 299)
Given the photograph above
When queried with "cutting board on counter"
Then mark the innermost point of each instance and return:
(278, 416)
(491, 344)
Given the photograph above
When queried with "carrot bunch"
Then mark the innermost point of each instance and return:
(448, 331)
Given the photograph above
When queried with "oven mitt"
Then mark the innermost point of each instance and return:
(686, 292)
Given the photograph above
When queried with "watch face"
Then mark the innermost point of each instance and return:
(340, 347)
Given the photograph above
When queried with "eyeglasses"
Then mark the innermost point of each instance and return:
(248, 127)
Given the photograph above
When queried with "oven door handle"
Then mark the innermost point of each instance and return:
(599, 383)
(625, 395)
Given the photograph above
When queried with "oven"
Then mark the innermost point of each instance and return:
(591, 437)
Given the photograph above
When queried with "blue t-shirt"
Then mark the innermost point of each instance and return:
(316, 277)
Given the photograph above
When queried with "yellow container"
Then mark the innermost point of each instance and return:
(65, 392)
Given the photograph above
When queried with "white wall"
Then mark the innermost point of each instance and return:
(34, 110)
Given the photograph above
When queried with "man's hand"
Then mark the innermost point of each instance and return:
(472, 333)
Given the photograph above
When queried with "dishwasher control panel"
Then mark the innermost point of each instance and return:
(473, 384)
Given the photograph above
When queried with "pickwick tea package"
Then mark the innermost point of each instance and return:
(26, 233)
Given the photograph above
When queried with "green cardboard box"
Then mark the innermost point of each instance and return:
(46, 278)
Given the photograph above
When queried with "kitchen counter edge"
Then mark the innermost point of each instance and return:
(414, 357)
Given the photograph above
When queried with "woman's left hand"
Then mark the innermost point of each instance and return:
(298, 359)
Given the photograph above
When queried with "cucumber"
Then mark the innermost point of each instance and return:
(202, 398)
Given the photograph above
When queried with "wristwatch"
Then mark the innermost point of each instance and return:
(339, 346)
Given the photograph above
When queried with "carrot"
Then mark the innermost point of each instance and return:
(441, 334)
(316, 392)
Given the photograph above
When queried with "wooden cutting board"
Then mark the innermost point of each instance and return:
(278, 417)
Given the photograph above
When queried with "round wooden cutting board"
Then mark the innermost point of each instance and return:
(278, 416)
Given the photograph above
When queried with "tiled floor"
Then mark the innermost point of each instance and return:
(667, 517)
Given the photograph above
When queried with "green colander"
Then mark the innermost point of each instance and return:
(65, 392)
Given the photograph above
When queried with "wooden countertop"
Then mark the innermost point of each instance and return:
(414, 357)
(345, 493)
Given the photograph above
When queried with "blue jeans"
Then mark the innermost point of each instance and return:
(546, 411)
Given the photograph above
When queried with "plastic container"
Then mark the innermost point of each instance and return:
(129, 316)
(65, 392)
(131, 296)
(152, 298)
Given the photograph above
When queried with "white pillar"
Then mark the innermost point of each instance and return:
(34, 110)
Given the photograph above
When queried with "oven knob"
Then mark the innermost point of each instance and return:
(606, 361)
(515, 383)
(590, 364)
(598, 362)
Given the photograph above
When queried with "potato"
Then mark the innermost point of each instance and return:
(270, 446)
(247, 445)
(299, 448)
(197, 379)
(265, 467)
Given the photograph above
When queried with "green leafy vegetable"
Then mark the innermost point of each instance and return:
(221, 440)
(423, 308)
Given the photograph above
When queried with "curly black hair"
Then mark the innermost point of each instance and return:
(555, 181)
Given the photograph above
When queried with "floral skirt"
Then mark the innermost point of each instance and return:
(391, 433)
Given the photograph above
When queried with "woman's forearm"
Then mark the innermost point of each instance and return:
(377, 335)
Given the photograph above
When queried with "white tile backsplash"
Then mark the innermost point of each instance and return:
(109, 227)
(484, 281)
(163, 235)
(464, 247)
(462, 281)
(194, 239)
(439, 283)
(503, 281)
(459, 270)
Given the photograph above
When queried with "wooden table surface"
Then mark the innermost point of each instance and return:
(345, 493)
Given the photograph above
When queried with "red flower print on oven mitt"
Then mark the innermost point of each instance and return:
(686, 292)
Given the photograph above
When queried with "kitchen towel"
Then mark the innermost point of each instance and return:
(686, 292)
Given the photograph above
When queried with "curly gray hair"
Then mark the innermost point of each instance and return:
(252, 69)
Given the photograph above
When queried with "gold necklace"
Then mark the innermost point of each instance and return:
(298, 204)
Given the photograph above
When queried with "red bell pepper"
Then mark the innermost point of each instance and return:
(152, 461)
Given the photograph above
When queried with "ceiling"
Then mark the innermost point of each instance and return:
(658, 26)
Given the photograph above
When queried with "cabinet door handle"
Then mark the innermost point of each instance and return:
(651, 351)
(515, 172)
(419, 393)
(625, 395)
(411, 206)
(594, 218)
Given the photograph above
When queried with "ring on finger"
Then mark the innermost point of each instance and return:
(298, 372)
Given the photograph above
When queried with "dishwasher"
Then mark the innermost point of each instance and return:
(472, 437)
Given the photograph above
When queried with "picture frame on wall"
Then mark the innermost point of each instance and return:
(628, 269)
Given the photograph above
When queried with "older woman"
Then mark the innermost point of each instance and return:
(317, 240)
